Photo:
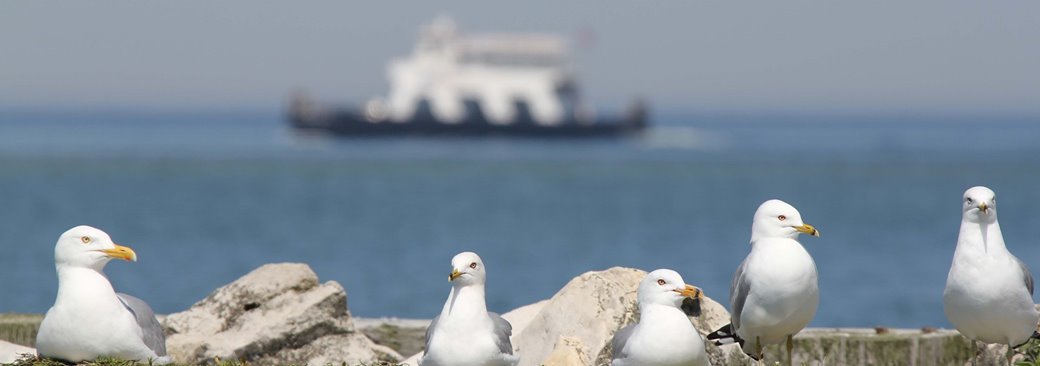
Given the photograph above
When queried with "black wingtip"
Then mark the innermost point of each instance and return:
(1036, 335)
(724, 334)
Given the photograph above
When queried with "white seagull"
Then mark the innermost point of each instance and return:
(989, 292)
(89, 319)
(466, 334)
(664, 335)
(774, 292)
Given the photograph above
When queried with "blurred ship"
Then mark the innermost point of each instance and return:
(474, 85)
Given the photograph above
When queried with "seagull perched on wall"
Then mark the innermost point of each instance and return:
(664, 335)
(774, 292)
(989, 292)
(466, 334)
(89, 319)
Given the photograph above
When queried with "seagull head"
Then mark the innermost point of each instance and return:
(88, 247)
(777, 219)
(666, 287)
(980, 205)
(467, 269)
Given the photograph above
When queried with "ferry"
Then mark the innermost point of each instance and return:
(456, 84)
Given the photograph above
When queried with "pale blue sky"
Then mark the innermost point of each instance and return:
(943, 56)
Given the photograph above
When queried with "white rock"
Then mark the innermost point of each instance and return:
(590, 308)
(520, 317)
(10, 352)
(276, 314)
(568, 351)
(412, 360)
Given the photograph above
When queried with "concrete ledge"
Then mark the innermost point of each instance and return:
(859, 346)
(20, 328)
(406, 336)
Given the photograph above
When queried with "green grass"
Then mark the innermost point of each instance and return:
(32, 360)
(1031, 351)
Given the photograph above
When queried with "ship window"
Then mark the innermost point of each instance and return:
(510, 59)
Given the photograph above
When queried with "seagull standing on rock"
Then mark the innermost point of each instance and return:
(664, 335)
(989, 292)
(89, 319)
(774, 292)
(466, 334)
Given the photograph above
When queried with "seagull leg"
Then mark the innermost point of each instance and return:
(1010, 354)
(758, 349)
(975, 348)
(790, 346)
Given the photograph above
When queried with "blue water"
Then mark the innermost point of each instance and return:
(205, 197)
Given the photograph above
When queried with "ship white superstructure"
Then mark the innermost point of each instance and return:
(499, 72)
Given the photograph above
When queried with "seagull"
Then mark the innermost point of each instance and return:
(989, 292)
(664, 335)
(466, 334)
(774, 292)
(89, 319)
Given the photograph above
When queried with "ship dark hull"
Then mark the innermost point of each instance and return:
(355, 123)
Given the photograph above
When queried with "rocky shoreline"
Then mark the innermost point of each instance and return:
(281, 314)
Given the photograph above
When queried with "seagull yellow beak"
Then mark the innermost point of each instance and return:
(454, 274)
(121, 252)
(983, 207)
(807, 229)
(691, 291)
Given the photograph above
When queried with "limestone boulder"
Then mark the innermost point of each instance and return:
(276, 314)
(586, 313)
(520, 317)
(10, 352)
(589, 309)
(568, 351)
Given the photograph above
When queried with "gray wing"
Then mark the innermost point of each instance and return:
(1025, 275)
(152, 332)
(738, 291)
(502, 330)
(429, 333)
(620, 340)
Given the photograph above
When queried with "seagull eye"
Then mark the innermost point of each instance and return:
(85, 239)
(969, 200)
(660, 282)
(781, 217)
(473, 265)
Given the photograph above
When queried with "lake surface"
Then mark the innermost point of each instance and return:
(205, 197)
